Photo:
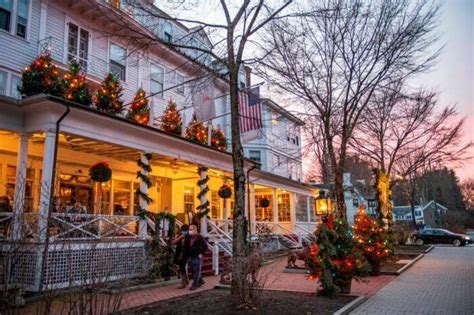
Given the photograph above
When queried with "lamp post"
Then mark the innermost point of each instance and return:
(323, 203)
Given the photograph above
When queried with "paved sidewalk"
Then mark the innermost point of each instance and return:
(440, 283)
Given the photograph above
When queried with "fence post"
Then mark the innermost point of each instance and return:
(215, 259)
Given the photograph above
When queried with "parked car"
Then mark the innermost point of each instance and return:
(440, 236)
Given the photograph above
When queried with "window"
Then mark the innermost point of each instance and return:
(301, 209)
(189, 203)
(274, 118)
(118, 61)
(276, 160)
(255, 155)
(14, 84)
(355, 202)
(156, 80)
(264, 214)
(312, 214)
(409, 217)
(122, 193)
(215, 205)
(78, 45)
(6, 7)
(167, 32)
(22, 18)
(3, 83)
(11, 182)
(179, 83)
(284, 207)
(417, 213)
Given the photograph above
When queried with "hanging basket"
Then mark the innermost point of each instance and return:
(264, 203)
(225, 192)
(100, 172)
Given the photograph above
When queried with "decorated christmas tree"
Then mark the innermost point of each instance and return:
(75, 84)
(171, 120)
(139, 110)
(337, 260)
(41, 76)
(196, 131)
(107, 97)
(218, 139)
(372, 240)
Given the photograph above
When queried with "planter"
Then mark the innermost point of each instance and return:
(344, 285)
(375, 269)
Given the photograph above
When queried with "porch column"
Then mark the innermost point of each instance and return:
(203, 198)
(293, 201)
(48, 164)
(253, 224)
(276, 229)
(143, 203)
(20, 186)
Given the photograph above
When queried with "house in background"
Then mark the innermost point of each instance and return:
(357, 194)
(277, 146)
(430, 214)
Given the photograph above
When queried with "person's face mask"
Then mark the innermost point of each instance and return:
(185, 233)
(191, 232)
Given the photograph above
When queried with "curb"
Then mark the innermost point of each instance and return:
(351, 305)
(411, 263)
(404, 268)
(293, 270)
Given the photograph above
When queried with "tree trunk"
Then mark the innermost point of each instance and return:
(339, 192)
(239, 229)
(412, 204)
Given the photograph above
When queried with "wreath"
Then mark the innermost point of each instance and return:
(225, 192)
(100, 172)
(264, 203)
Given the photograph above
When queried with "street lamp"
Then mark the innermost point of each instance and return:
(323, 203)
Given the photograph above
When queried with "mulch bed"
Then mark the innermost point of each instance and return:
(221, 302)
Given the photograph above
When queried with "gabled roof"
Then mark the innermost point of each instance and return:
(403, 210)
(282, 111)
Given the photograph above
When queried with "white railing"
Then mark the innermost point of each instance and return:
(65, 226)
(305, 234)
(225, 225)
(293, 238)
(219, 237)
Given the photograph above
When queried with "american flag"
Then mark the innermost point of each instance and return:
(250, 109)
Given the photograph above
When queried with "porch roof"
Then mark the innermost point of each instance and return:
(40, 113)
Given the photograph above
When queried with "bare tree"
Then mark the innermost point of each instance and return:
(467, 188)
(339, 53)
(402, 133)
(223, 59)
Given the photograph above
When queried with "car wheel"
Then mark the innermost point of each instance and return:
(456, 243)
(419, 241)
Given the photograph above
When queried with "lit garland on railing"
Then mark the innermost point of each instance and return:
(203, 208)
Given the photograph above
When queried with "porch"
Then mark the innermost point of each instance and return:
(86, 215)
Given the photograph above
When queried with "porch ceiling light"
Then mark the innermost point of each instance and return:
(323, 203)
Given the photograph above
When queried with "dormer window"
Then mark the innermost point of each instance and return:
(167, 32)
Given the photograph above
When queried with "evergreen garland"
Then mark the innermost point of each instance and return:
(142, 174)
(203, 208)
(162, 255)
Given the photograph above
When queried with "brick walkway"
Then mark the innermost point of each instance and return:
(440, 283)
(272, 275)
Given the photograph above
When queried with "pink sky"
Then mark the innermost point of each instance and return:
(454, 74)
